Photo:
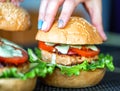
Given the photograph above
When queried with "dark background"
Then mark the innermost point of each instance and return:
(115, 16)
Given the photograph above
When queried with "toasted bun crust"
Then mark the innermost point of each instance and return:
(85, 79)
(12, 84)
(77, 31)
(13, 18)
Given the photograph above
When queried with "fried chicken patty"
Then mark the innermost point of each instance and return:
(65, 59)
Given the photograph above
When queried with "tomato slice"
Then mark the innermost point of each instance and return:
(15, 60)
(43, 46)
(84, 52)
(72, 51)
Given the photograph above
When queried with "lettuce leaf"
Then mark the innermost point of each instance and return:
(104, 61)
(41, 69)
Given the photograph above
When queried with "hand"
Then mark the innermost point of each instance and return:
(15, 2)
(48, 10)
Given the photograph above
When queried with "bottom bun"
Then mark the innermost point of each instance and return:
(85, 79)
(14, 84)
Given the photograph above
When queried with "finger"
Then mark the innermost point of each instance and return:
(2, 0)
(50, 14)
(16, 2)
(95, 11)
(67, 10)
(42, 11)
(21, 0)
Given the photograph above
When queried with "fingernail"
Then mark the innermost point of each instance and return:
(44, 26)
(60, 23)
(40, 23)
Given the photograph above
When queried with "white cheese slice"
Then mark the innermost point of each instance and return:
(49, 44)
(92, 47)
(9, 43)
(63, 48)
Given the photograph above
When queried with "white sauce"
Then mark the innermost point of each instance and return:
(9, 43)
(53, 59)
(9, 51)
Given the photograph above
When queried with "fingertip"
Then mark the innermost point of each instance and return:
(40, 23)
(101, 31)
(104, 36)
(60, 23)
(46, 26)
(65, 13)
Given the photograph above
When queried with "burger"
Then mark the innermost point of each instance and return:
(17, 73)
(15, 69)
(13, 18)
(69, 57)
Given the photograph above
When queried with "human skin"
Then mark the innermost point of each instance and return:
(15, 2)
(46, 18)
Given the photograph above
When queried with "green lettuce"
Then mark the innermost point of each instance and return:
(40, 68)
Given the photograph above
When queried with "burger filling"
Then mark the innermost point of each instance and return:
(62, 56)
(64, 59)
(87, 51)
(68, 54)
(14, 62)
(11, 53)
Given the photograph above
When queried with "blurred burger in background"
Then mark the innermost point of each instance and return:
(15, 68)
(13, 18)
(17, 73)
(69, 57)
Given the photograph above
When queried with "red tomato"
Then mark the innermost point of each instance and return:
(43, 46)
(72, 51)
(84, 52)
(15, 60)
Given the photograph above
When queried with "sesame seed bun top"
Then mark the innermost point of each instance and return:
(77, 31)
